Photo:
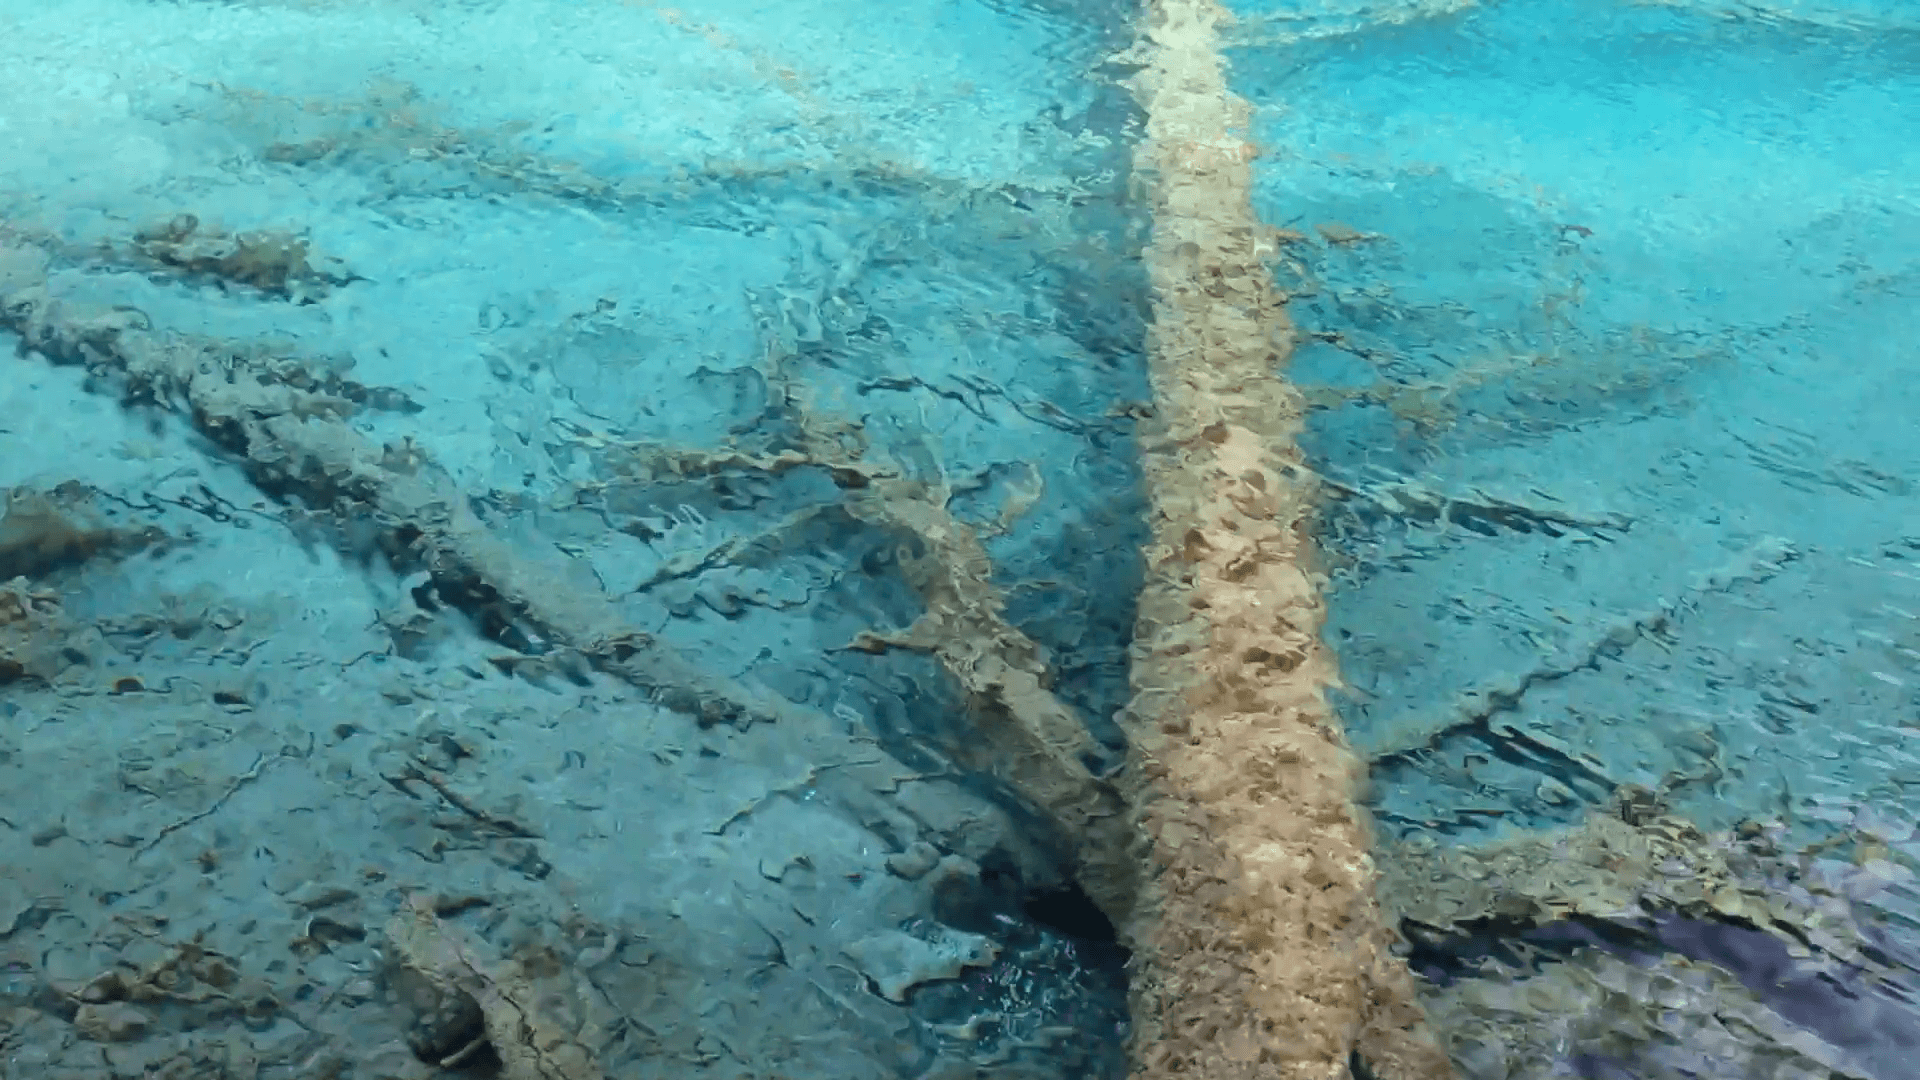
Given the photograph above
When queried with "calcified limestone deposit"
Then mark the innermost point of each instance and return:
(1262, 951)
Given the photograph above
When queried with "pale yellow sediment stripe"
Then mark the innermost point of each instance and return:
(1260, 947)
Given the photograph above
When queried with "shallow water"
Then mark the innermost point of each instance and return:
(476, 473)
(1610, 333)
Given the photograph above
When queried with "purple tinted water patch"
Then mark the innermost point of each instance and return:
(1875, 1021)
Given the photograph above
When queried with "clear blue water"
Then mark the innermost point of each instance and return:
(1617, 387)
(1607, 314)
(1650, 275)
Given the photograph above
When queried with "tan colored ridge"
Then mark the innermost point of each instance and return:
(1260, 948)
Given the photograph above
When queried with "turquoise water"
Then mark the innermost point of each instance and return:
(393, 423)
(1618, 386)
(1644, 289)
